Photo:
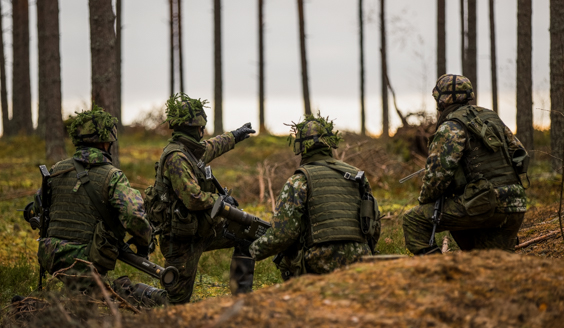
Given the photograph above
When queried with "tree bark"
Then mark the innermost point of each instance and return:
(471, 52)
(305, 79)
(218, 79)
(104, 66)
(180, 63)
(50, 116)
(361, 45)
(6, 123)
(385, 114)
(262, 124)
(524, 74)
(557, 82)
(21, 88)
(463, 36)
(171, 27)
(493, 57)
(118, 63)
(441, 38)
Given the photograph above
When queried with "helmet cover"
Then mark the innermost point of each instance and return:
(183, 110)
(452, 89)
(92, 126)
(312, 133)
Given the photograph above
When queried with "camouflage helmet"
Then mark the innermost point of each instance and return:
(92, 126)
(452, 89)
(312, 133)
(183, 110)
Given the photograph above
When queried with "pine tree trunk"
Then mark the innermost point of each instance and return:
(471, 52)
(305, 79)
(385, 114)
(180, 63)
(493, 57)
(441, 38)
(171, 15)
(50, 79)
(262, 124)
(21, 88)
(524, 74)
(104, 66)
(118, 62)
(361, 44)
(463, 36)
(6, 123)
(557, 82)
(218, 79)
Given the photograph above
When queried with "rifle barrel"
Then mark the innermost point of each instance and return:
(411, 175)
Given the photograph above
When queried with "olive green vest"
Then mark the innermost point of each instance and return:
(73, 216)
(487, 153)
(164, 187)
(333, 203)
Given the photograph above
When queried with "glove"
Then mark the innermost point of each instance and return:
(231, 201)
(143, 251)
(243, 132)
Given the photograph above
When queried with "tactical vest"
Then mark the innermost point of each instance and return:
(73, 216)
(184, 222)
(333, 204)
(487, 153)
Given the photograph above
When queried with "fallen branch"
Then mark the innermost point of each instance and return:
(536, 240)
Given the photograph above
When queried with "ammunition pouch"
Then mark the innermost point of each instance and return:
(479, 198)
(368, 215)
(520, 160)
(155, 208)
(103, 251)
(183, 223)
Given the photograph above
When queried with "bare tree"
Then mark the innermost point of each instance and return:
(361, 44)
(118, 62)
(104, 66)
(463, 35)
(305, 80)
(471, 51)
(21, 88)
(493, 59)
(218, 78)
(50, 117)
(441, 38)
(6, 124)
(262, 125)
(524, 74)
(171, 15)
(385, 114)
(557, 82)
(179, 26)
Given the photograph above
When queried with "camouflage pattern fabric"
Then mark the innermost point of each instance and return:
(286, 230)
(446, 93)
(55, 254)
(498, 231)
(92, 126)
(184, 254)
(445, 156)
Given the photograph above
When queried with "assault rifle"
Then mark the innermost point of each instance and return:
(242, 227)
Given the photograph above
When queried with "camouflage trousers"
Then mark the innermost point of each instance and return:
(185, 255)
(495, 231)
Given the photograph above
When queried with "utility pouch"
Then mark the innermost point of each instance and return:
(520, 160)
(489, 138)
(155, 208)
(183, 224)
(297, 264)
(479, 198)
(103, 250)
(368, 215)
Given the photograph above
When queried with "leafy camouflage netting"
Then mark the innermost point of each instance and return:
(183, 110)
(91, 126)
(313, 132)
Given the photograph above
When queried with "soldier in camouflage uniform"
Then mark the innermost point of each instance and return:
(76, 227)
(479, 166)
(186, 198)
(316, 226)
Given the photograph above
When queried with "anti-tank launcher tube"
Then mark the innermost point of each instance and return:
(167, 276)
(241, 226)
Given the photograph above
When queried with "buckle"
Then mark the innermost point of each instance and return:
(348, 176)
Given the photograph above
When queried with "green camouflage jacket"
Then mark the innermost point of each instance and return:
(445, 154)
(179, 172)
(126, 200)
(286, 230)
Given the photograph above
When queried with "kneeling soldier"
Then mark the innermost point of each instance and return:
(325, 214)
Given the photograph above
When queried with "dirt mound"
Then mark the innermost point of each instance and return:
(477, 289)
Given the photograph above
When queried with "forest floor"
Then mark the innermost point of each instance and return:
(476, 289)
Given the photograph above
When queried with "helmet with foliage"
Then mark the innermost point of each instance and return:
(313, 133)
(186, 111)
(92, 126)
(452, 89)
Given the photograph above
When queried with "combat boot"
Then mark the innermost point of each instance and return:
(241, 272)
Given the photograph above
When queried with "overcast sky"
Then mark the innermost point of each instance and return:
(332, 53)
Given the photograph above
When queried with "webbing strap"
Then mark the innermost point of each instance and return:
(98, 203)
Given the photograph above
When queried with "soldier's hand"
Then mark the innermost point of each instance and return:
(231, 201)
(243, 132)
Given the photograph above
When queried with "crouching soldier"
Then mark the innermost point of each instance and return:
(475, 177)
(92, 206)
(325, 215)
(181, 200)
